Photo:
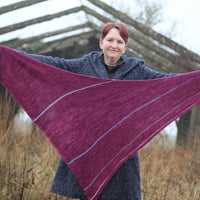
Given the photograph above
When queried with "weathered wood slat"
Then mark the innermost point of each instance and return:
(19, 5)
(160, 61)
(147, 31)
(17, 42)
(61, 43)
(38, 20)
(175, 59)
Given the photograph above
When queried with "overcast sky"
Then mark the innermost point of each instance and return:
(185, 13)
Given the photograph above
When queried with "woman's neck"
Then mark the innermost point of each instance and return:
(110, 61)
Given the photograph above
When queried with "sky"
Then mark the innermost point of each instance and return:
(185, 14)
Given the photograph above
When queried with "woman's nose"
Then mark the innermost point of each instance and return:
(114, 44)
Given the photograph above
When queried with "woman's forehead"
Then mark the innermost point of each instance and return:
(114, 33)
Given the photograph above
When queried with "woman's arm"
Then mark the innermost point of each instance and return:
(66, 64)
(149, 73)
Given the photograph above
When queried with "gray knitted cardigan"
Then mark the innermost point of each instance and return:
(125, 183)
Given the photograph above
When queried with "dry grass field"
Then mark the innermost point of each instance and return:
(28, 163)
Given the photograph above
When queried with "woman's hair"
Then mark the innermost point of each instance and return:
(122, 30)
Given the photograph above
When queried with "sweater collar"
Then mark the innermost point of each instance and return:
(119, 62)
(122, 70)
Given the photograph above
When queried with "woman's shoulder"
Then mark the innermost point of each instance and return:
(132, 59)
(92, 55)
(132, 62)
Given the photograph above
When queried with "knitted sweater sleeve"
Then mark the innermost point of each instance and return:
(72, 65)
(149, 73)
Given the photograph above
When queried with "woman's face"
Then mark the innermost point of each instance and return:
(113, 47)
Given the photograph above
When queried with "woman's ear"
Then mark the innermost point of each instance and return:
(101, 44)
(125, 48)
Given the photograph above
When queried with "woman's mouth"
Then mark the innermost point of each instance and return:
(114, 51)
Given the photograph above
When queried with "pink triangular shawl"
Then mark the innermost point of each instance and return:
(96, 124)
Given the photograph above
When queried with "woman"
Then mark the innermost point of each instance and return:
(110, 63)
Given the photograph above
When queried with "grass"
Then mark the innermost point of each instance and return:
(28, 163)
(169, 174)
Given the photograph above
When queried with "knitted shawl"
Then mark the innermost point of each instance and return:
(96, 124)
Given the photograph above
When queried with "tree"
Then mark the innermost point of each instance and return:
(8, 107)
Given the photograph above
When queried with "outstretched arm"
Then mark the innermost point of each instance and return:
(149, 73)
(66, 64)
